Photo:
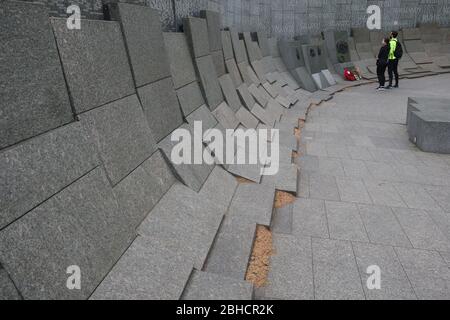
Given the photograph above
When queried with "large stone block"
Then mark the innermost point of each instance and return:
(82, 225)
(263, 42)
(214, 23)
(218, 61)
(233, 70)
(186, 221)
(192, 175)
(210, 82)
(227, 45)
(226, 116)
(314, 58)
(95, 63)
(428, 122)
(37, 169)
(161, 107)
(139, 192)
(190, 98)
(34, 98)
(197, 34)
(141, 28)
(122, 136)
(238, 46)
(181, 63)
(230, 92)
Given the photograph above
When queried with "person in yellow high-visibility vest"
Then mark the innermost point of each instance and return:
(393, 60)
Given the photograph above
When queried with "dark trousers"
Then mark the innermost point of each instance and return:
(393, 71)
(381, 72)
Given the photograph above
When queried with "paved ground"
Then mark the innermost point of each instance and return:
(368, 197)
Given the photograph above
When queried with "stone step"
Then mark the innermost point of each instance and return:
(151, 269)
(210, 286)
(231, 251)
(252, 203)
(284, 180)
(282, 219)
(187, 220)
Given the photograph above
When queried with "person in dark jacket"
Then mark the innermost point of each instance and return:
(382, 63)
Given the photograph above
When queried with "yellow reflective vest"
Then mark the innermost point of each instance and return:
(393, 45)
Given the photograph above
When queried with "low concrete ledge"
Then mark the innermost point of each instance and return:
(428, 122)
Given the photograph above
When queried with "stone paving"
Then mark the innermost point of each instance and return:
(367, 197)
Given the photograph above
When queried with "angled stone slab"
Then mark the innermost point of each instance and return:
(250, 172)
(233, 70)
(214, 24)
(263, 42)
(204, 115)
(258, 68)
(8, 290)
(246, 96)
(284, 180)
(329, 77)
(190, 98)
(305, 80)
(282, 220)
(244, 70)
(142, 32)
(149, 269)
(34, 96)
(229, 91)
(209, 80)
(161, 107)
(279, 65)
(259, 95)
(185, 221)
(270, 90)
(238, 46)
(219, 63)
(196, 31)
(219, 188)
(95, 63)
(209, 286)
(314, 56)
(230, 254)
(122, 136)
(82, 225)
(192, 175)
(293, 257)
(227, 46)
(250, 46)
(290, 80)
(247, 118)
(283, 101)
(262, 114)
(181, 63)
(336, 274)
(252, 203)
(37, 169)
(274, 109)
(225, 116)
(139, 192)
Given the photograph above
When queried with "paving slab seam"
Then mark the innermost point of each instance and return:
(113, 265)
(51, 196)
